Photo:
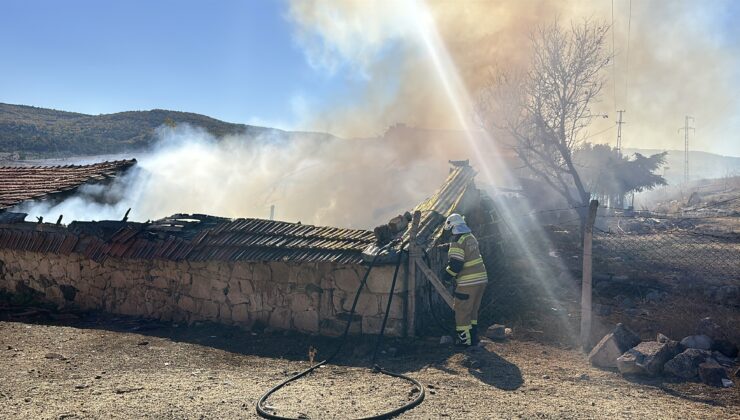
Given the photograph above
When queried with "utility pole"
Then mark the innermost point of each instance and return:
(686, 129)
(620, 198)
(619, 132)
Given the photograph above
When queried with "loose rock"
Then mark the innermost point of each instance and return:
(605, 352)
(711, 373)
(626, 339)
(647, 358)
(496, 332)
(613, 345)
(725, 347)
(445, 339)
(54, 356)
(722, 359)
(686, 364)
(701, 342)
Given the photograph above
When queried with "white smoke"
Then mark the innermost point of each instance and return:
(309, 178)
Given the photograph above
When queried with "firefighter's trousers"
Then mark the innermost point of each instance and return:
(466, 310)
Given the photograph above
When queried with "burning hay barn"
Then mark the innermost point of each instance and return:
(245, 272)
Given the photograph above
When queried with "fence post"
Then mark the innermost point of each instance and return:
(586, 281)
(414, 255)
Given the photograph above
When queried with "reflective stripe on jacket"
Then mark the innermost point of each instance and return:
(465, 250)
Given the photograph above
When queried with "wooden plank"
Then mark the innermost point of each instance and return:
(436, 282)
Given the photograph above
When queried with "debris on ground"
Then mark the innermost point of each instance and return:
(496, 332)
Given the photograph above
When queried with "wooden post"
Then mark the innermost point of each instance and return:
(586, 281)
(414, 256)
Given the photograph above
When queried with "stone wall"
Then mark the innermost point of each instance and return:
(307, 297)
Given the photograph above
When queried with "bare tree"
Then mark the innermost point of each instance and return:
(546, 108)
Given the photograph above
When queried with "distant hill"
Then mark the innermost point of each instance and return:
(32, 131)
(702, 165)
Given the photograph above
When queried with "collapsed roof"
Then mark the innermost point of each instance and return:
(201, 237)
(23, 183)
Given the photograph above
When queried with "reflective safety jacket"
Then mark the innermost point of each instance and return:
(464, 261)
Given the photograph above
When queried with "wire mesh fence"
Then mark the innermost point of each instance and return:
(681, 253)
(532, 266)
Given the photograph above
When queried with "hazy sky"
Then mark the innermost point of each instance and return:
(280, 64)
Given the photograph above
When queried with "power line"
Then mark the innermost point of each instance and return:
(600, 132)
(627, 71)
(614, 71)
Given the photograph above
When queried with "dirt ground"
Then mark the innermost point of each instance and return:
(103, 367)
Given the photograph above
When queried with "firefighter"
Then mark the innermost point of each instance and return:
(467, 272)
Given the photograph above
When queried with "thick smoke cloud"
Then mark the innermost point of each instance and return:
(681, 61)
(313, 179)
(680, 58)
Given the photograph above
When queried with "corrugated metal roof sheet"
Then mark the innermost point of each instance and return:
(21, 183)
(445, 201)
(258, 239)
(193, 238)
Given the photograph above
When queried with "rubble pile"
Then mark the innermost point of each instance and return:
(706, 356)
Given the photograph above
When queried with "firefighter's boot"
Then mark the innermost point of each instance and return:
(474, 340)
(463, 337)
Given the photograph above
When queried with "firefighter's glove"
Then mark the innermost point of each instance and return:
(449, 279)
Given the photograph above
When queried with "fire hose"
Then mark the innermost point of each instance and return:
(261, 410)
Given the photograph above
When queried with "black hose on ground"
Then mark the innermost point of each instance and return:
(386, 415)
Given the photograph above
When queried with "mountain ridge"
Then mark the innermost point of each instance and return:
(43, 132)
(35, 132)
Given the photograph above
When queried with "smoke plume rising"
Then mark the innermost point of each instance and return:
(374, 172)
(309, 178)
(672, 59)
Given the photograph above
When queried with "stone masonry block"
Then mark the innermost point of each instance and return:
(300, 302)
(346, 279)
(201, 288)
(396, 310)
(280, 272)
(210, 310)
(240, 314)
(381, 278)
(188, 304)
(280, 318)
(241, 271)
(118, 280)
(306, 321)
